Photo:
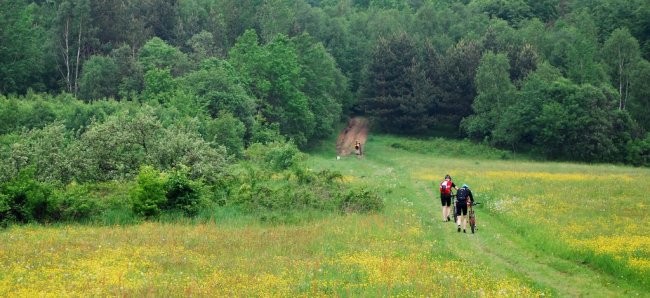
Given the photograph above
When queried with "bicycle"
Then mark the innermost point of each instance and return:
(453, 197)
(472, 216)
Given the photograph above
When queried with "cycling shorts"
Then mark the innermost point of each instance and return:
(461, 207)
(445, 200)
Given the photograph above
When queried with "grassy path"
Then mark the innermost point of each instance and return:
(497, 246)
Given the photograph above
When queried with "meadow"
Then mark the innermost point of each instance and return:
(544, 229)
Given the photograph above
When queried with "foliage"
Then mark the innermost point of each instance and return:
(157, 54)
(23, 199)
(495, 93)
(117, 147)
(640, 95)
(99, 79)
(159, 86)
(74, 203)
(182, 193)
(272, 74)
(178, 146)
(299, 66)
(277, 156)
(46, 150)
(622, 52)
(220, 89)
(362, 201)
(388, 89)
(149, 196)
(229, 132)
(639, 151)
(275, 179)
(21, 58)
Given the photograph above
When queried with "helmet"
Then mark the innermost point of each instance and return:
(465, 186)
(447, 177)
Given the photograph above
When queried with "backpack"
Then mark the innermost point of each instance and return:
(445, 187)
(461, 195)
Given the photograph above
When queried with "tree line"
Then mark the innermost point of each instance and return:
(563, 79)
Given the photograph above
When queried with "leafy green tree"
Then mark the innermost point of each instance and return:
(24, 199)
(130, 73)
(179, 146)
(228, 131)
(325, 85)
(612, 15)
(517, 127)
(638, 151)
(238, 16)
(501, 38)
(272, 74)
(203, 46)
(512, 11)
(621, 50)
(47, 151)
(285, 102)
(99, 78)
(158, 16)
(545, 10)
(20, 54)
(639, 102)
(157, 54)
(182, 193)
(495, 94)
(523, 60)
(115, 148)
(159, 86)
(279, 17)
(575, 52)
(73, 38)
(220, 88)
(347, 40)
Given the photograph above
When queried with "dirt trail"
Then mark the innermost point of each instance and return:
(357, 130)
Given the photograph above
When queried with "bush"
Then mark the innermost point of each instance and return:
(638, 151)
(182, 193)
(149, 196)
(74, 203)
(276, 156)
(24, 199)
(362, 201)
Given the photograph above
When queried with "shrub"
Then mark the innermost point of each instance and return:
(24, 199)
(149, 196)
(638, 151)
(276, 156)
(74, 203)
(182, 193)
(181, 146)
(362, 201)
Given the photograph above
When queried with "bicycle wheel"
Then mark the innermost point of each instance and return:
(472, 220)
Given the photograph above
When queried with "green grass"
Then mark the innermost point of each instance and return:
(526, 206)
(553, 229)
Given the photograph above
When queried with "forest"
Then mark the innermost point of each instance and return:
(192, 101)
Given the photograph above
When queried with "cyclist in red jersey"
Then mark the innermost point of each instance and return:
(445, 196)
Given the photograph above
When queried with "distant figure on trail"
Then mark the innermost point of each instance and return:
(464, 197)
(445, 196)
(357, 148)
